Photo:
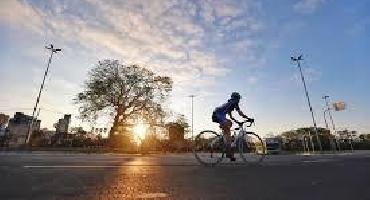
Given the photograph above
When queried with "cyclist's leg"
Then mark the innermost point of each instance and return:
(226, 128)
(225, 125)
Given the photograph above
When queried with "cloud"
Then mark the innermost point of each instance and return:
(307, 6)
(252, 80)
(187, 40)
(360, 27)
(310, 74)
(172, 37)
(19, 14)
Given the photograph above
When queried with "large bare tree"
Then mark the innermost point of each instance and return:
(128, 91)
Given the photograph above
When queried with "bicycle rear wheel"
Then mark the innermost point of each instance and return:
(208, 148)
(252, 148)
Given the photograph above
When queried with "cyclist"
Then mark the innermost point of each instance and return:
(219, 116)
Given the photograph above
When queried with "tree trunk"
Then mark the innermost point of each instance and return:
(115, 125)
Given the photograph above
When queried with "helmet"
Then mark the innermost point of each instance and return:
(235, 95)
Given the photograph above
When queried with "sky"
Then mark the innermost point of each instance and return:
(209, 48)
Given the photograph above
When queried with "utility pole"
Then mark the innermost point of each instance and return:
(298, 61)
(192, 116)
(326, 98)
(326, 122)
(52, 51)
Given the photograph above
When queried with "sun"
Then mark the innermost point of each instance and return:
(139, 131)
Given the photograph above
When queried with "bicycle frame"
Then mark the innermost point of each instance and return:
(237, 136)
(242, 145)
(241, 130)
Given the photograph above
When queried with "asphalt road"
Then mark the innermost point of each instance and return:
(44, 175)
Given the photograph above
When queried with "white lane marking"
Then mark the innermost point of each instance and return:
(317, 161)
(72, 166)
(107, 166)
(311, 161)
(152, 195)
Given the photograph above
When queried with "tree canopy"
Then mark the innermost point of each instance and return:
(127, 91)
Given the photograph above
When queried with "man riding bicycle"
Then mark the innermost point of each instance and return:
(219, 116)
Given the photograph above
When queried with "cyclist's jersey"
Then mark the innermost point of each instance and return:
(232, 104)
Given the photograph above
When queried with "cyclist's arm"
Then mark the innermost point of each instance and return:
(231, 117)
(241, 113)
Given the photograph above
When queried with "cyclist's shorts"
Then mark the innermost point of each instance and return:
(219, 117)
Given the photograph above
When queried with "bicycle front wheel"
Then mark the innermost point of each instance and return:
(208, 148)
(252, 148)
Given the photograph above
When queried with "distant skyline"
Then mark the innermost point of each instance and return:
(210, 48)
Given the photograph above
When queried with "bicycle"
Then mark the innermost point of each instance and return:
(210, 147)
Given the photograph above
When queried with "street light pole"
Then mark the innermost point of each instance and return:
(298, 61)
(326, 98)
(326, 123)
(52, 51)
(192, 116)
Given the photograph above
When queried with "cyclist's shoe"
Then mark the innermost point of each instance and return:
(231, 156)
(230, 152)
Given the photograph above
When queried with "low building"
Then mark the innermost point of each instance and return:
(345, 134)
(176, 137)
(102, 131)
(4, 119)
(47, 135)
(62, 126)
(18, 127)
(62, 135)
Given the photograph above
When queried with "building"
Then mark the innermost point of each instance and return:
(61, 131)
(102, 131)
(176, 138)
(347, 135)
(18, 127)
(4, 132)
(3, 120)
(62, 126)
(47, 135)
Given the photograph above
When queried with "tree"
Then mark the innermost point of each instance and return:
(293, 138)
(183, 122)
(126, 92)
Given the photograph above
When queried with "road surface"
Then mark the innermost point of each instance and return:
(43, 175)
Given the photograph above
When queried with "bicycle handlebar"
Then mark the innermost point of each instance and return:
(250, 120)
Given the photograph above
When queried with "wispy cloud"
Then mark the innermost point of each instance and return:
(310, 75)
(195, 42)
(362, 26)
(252, 80)
(20, 14)
(308, 6)
(173, 37)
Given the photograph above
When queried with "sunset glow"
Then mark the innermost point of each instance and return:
(139, 131)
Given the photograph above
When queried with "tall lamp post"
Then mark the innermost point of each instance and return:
(192, 116)
(326, 98)
(298, 61)
(52, 51)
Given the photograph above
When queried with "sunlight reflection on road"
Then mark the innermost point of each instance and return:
(135, 181)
